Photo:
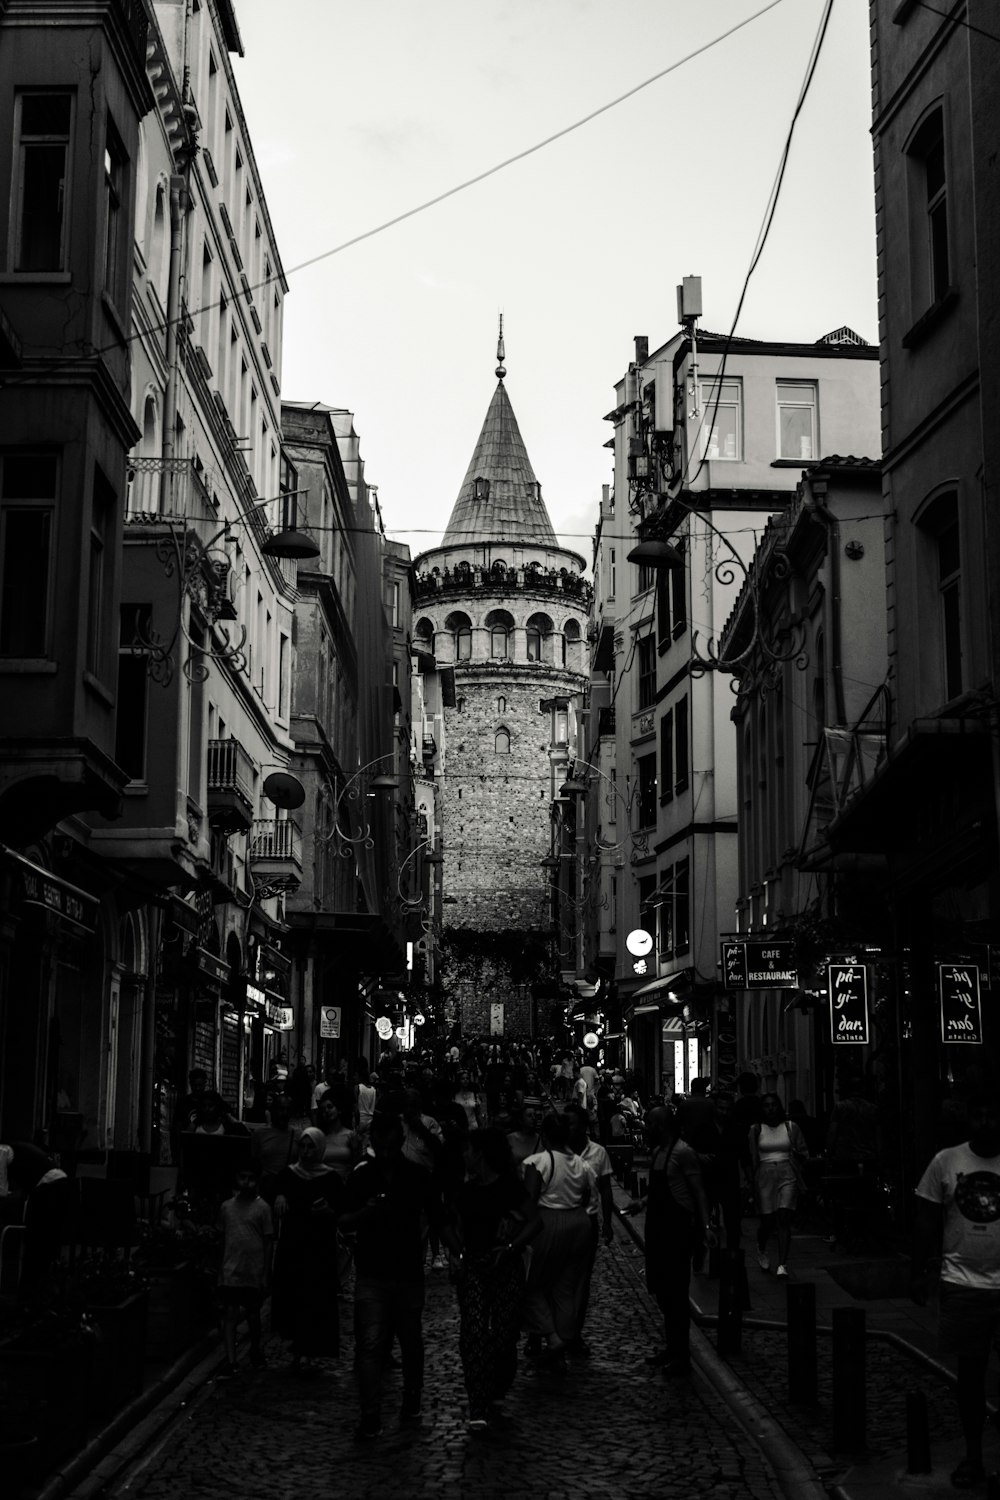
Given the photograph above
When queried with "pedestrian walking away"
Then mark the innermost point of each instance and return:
(600, 1211)
(778, 1154)
(387, 1203)
(958, 1218)
(561, 1184)
(247, 1245)
(488, 1222)
(676, 1223)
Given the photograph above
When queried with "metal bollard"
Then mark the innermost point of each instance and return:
(801, 1316)
(729, 1339)
(918, 1438)
(849, 1393)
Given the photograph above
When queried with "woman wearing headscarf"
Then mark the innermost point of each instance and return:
(489, 1220)
(561, 1184)
(306, 1283)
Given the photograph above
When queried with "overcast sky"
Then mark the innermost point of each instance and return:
(358, 112)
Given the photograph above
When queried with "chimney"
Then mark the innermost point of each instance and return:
(641, 348)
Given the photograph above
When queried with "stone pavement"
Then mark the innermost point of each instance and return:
(610, 1427)
(901, 1356)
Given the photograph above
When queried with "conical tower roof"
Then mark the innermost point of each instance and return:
(509, 506)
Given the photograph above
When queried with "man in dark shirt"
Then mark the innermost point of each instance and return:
(387, 1201)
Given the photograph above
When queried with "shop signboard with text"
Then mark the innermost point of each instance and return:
(753, 964)
(847, 988)
(961, 1012)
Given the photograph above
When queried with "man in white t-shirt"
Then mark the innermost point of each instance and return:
(958, 1210)
(593, 1154)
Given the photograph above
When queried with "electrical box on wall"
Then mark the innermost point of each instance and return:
(689, 299)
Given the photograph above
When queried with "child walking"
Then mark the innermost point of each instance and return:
(247, 1243)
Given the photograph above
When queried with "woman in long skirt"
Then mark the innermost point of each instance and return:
(306, 1283)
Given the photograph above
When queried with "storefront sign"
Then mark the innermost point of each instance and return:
(961, 1016)
(756, 965)
(329, 1022)
(639, 942)
(734, 966)
(496, 1018)
(591, 1040)
(384, 1027)
(847, 987)
(281, 1017)
(211, 967)
(256, 1000)
(58, 897)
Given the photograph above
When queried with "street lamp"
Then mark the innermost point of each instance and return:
(579, 785)
(408, 902)
(352, 792)
(202, 570)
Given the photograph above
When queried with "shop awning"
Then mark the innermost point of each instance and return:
(47, 892)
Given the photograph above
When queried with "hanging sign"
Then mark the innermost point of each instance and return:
(734, 966)
(847, 987)
(496, 1018)
(639, 942)
(281, 1017)
(961, 1016)
(384, 1027)
(757, 965)
(591, 1040)
(329, 1022)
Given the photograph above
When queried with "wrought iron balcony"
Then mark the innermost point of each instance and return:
(230, 786)
(276, 854)
(170, 489)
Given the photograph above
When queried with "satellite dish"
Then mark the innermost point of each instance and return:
(284, 790)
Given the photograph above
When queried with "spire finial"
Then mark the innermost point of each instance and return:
(501, 372)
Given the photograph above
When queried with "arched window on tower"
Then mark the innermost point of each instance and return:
(501, 705)
(501, 744)
(461, 633)
(539, 635)
(501, 627)
(534, 637)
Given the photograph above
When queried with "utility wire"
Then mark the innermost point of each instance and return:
(765, 229)
(461, 186)
(992, 35)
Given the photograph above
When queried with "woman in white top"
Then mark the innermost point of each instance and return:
(466, 1096)
(561, 1183)
(777, 1151)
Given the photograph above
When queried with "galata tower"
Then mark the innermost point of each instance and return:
(504, 606)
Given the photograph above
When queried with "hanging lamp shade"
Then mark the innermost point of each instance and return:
(296, 545)
(654, 554)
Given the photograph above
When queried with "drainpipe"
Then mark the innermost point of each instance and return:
(179, 204)
(819, 509)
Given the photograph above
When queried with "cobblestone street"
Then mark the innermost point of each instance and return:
(610, 1427)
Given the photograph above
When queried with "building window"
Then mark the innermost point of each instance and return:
(949, 590)
(114, 218)
(395, 603)
(501, 705)
(482, 489)
(613, 573)
(102, 521)
(41, 155)
(647, 577)
(501, 743)
(284, 676)
(646, 652)
(671, 599)
(682, 763)
(134, 630)
(533, 638)
(460, 706)
(667, 755)
(646, 768)
(722, 417)
(463, 643)
(929, 187)
(27, 508)
(797, 438)
(498, 641)
(647, 910)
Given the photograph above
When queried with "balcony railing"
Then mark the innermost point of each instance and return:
(230, 786)
(171, 488)
(276, 855)
(277, 839)
(497, 580)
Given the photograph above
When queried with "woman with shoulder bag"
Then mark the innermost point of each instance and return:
(561, 1184)
(777, 1151)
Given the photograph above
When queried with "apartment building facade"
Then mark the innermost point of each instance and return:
(710, 438)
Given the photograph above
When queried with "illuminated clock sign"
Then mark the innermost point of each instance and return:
(384, 1027)
(639, 942)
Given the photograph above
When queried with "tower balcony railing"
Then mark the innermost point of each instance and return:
(498, 579)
